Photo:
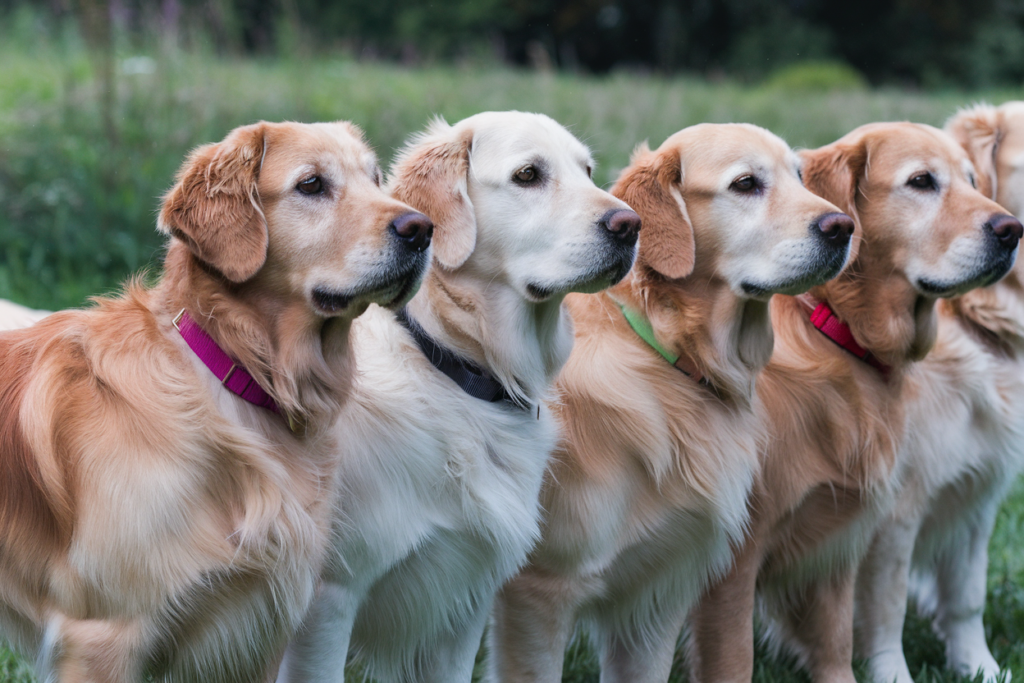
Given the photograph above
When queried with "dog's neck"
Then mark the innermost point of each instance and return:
(302, 362)
(522, 344)
(729, 338)
(885, 314)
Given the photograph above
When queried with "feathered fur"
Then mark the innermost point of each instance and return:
(437, 495)
(648, 491)
(836, 422)
(964, 447)
(151, 521)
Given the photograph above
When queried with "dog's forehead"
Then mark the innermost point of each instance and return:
(907, 147)
(732, 147)
(295, 144)
(510, 137)
(1013, 111)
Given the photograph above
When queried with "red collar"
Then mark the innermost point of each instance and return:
(232, 376)
(829, 324)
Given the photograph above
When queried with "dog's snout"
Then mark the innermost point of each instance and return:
(622, 224)
(835, 227)
(1007, 229)
(414, 229)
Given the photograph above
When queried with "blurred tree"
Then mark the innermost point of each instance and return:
(94, 19)
(926, 42)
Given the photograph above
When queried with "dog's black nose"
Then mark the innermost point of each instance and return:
(1007, 229)
(414, 229)
(623, 224)
(835, 227)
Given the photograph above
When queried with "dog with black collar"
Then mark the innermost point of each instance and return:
(445, 439)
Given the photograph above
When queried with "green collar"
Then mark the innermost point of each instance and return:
(642, 326)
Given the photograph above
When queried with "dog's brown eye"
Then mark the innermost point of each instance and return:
(923, 181)
(745, 184)
(311, 185)
(527, 174)
(590, 172)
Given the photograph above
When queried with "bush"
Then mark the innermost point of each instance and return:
(820, 76)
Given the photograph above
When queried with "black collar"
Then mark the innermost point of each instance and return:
(473, 379)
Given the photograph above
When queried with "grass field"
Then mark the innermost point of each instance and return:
(78, 197)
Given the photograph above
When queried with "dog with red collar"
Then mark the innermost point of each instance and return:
(833, 393)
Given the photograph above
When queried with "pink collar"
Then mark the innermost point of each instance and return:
(234, 377)
(829, 324)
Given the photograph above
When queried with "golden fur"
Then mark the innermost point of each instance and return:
(964, 447)
(836, 421)
(151, 521)
(649, 487)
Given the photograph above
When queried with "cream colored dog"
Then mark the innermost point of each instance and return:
(964, 448)
(446, 437)
(833, 392)
(14, 317)
(649, 492)
(152, 520)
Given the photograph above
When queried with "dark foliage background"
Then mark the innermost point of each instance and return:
(918, 42)
(101, 99)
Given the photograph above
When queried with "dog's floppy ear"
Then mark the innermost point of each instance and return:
(214, 207)
(977, 130)
(432, 176)
(833, 172)
(651, 188)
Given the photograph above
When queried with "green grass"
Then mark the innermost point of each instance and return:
(78, 202)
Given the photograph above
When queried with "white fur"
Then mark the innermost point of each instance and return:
(13, 316)
(437, 495)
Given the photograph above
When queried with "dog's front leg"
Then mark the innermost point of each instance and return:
(961, 580)
(451, 660)
(642, 655)
(720, 646)
(881, 605)
(91, 651)
(533, 619)
(319, 651)
(821, 622)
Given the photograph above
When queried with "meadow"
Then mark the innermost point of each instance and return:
(81, 175)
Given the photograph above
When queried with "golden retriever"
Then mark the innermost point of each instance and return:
(657, 401)
(152, 520)
(964, 446)
(836, 413)
(437, 497)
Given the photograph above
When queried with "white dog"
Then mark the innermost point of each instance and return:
(445, 439)
(964, 448)
(13, 316)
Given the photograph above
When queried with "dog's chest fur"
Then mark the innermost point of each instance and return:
(966, 439)
(437, 501)
(227, 549)
(643, 509)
